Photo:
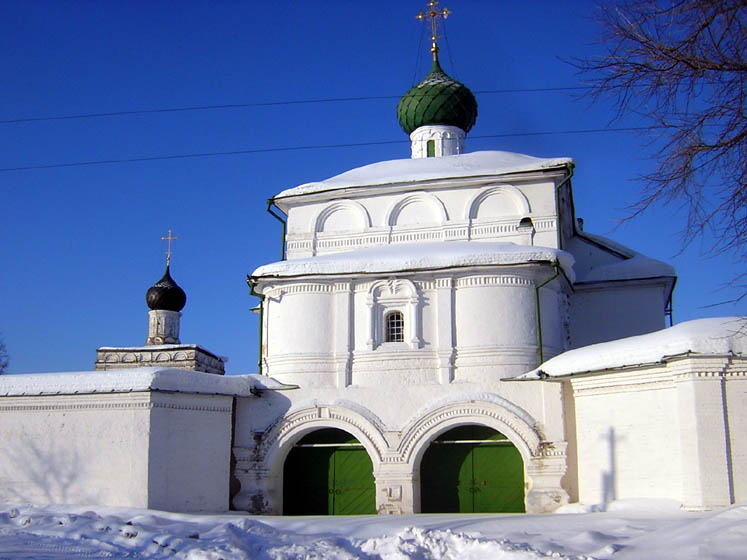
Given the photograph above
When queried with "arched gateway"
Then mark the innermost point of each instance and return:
(472, 469)
(328, 472)
(331, 459)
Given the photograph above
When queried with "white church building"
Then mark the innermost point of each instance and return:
(441, 335)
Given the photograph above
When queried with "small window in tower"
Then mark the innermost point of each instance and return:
(395, 327)
(431, 148)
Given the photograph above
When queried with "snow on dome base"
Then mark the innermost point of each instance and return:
(418, 256)
(475, 164)
(719, 335)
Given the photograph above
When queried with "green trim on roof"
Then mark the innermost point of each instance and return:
(438, 99)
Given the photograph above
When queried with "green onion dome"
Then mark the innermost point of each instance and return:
(438, 99)
(166, 295)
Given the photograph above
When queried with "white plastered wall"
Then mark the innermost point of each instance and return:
(736, 398)
(609, 311)
(461, 209)
(672, 430)
(85, 449)
(190, 452)
(142, 449)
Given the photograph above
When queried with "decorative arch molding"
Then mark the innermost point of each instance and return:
(356, 208)
(281, 437)
(488, 410)
(520, 202)
(434, 204)
(393, 287)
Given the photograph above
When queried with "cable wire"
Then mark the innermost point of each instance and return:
(261, 104)
(310, 147)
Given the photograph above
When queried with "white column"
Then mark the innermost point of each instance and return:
(343, 328)
(445, 330)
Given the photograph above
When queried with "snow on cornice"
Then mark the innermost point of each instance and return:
(714, 336)
(134, 380)
(418, 256)
(475, 164)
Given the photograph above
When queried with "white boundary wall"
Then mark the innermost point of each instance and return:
(147, 448)
(673, 430)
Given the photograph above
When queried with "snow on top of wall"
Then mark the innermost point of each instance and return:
(718, 335)
(635, 266)
(474, 164)
(418, 256)
(131, 380)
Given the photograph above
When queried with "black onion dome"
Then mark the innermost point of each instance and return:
(166, 295)
(438, 99)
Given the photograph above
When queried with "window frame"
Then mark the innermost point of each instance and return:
(394, 326)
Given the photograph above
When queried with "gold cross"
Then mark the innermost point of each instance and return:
(169, 238)
(434, 14)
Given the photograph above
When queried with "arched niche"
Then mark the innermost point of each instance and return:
(498, 202)
(417, 209)
(394, 295)
(342, 215)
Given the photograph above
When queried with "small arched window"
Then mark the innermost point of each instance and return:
(431, 148)
(395, 327)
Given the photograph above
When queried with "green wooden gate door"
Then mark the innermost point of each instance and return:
(328, 472)
(472, 469)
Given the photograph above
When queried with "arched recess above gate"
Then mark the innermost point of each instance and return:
(281, 438)
(496, 413)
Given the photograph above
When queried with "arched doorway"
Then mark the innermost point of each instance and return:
(472, 469)
(328, 472)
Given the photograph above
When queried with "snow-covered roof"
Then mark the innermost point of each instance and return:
(156, 347)
(133, 380)
(475, 164)
(635, 266)
(418, 256)
(719, 336)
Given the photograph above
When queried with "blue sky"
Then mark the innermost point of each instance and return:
(80, 245)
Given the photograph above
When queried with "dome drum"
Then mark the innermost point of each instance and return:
(437, 141)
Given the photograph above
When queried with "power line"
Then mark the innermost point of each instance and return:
(259, 104)
(310, 147)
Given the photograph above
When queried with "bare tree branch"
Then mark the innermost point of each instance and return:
(4, 360)
(682, 64)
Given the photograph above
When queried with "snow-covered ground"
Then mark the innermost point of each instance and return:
(652, 529)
